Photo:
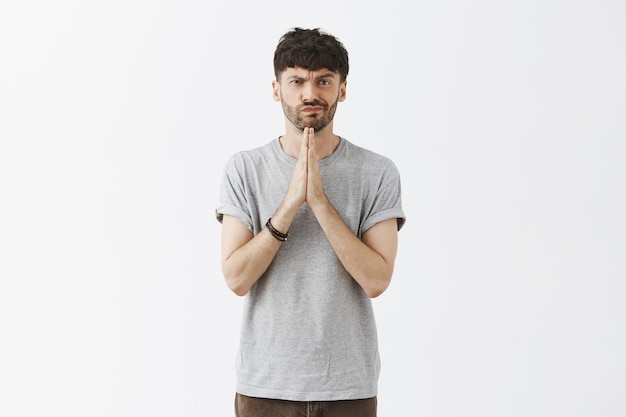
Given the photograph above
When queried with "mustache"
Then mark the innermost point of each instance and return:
(313, 103)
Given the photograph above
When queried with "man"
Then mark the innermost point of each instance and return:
(309, 235)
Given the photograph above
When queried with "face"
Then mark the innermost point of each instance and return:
(309, 98)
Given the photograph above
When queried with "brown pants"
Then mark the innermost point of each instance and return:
(263, 407)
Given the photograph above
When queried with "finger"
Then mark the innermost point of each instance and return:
(312, 143)
(306, 136)
(312, 138)
(304, 145)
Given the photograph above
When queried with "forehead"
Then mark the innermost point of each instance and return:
(300, 72)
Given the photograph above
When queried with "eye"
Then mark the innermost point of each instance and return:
(295, 81)
(324, 82)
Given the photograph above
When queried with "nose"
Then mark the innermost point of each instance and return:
(308, 92)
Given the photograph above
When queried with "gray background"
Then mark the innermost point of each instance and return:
(506, 120)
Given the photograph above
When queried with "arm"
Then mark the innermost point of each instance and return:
(370, 260)
(246, 257)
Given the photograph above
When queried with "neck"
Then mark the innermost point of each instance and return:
(325, 142)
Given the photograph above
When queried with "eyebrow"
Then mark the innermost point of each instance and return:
(328, 74)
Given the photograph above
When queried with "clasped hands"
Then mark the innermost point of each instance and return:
(306, 182)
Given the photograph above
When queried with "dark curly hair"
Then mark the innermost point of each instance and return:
(312, 49)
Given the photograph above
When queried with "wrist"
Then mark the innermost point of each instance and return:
(276, 234)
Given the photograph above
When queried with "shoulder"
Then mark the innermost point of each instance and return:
(368, 158)
(250, 156)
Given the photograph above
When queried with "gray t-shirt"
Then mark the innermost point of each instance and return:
(308, 329)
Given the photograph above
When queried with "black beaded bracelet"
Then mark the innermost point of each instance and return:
(278, 235)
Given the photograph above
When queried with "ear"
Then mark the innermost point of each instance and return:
(276, 90)
(342, 90)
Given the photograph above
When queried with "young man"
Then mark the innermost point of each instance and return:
(309, 235)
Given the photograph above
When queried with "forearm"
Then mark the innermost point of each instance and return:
(246, 258)
(244, 266)
(368, 267)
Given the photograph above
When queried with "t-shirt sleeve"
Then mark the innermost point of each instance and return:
(233, 201)
(387, 202)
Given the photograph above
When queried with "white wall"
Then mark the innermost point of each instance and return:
(506, 120)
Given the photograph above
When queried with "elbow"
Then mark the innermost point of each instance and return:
(377, 280)
(374, 294)
(235, 281)
(375, 291)
(239, 291)
(377, 288)
(236, 286)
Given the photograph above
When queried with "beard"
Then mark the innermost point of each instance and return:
(294, 115)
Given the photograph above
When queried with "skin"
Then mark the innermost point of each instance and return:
(309, 99)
